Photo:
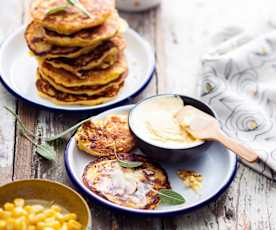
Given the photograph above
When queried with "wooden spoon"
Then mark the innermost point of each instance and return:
(205, 127)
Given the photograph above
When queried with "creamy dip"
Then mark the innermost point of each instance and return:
(154, 121)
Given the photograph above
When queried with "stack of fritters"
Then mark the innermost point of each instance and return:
(80, 57)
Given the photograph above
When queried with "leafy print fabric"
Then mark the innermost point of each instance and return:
(238, 80)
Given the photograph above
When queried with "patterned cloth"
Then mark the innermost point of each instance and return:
(238, 80)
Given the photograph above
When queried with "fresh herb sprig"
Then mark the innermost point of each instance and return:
(126, 163)
(57, 9)
(75, 3)
(65, 132)
(168, 196)
(44, 149)
(20, 123)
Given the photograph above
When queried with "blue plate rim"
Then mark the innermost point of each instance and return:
(94, 110)
(140, 212)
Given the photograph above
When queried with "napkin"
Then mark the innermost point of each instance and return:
(238, 80)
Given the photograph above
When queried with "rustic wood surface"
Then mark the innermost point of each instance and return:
(180, 31)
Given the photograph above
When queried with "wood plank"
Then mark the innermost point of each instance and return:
(127, 222)
(24, 153)
(144, 24)
(255, 203)
(161, 57)
(23, 148)
(7, 132)
(9, 22)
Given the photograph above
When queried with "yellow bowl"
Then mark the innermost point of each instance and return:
(47, 191)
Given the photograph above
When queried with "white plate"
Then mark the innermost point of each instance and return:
(18, 71)
(217, 165)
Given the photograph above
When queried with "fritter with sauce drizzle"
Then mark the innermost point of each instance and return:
(129, 187)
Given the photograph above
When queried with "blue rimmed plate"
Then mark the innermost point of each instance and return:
(18, 72)
(217, 165)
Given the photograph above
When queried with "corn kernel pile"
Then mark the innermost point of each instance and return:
(18, 216)
(191, 179)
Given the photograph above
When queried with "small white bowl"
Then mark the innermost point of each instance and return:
(136, 5)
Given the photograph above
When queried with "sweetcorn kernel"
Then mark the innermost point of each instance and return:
(10, 223)
(40, 225)
(19, 202)
(49, 220)
(64, 226)
(72, 224)
(38, 208)
(32, 218)
(59, 217)
(28, 208)
(50, 213)
(2, 225)
(40, 217)
(56, 208)
(9, 206)
(70, 216)
(53, 224)
(20, 224)
(5, 214)
(19, 211)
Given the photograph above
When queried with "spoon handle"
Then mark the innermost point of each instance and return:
(241, 150)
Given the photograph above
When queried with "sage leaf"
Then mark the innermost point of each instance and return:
(126, 163)
(57, 9)
(20, 122)
(79, 6)
(47, 151)
(67, 131)
(168, 196)
(129, 164)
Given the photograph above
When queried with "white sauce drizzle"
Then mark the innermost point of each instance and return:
(126, 186)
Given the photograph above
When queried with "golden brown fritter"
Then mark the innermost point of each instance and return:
(47, 91)
(87, 90)
(37, 43)
(98, 137)
(88, 37)
(104, 56)
(71, 20)
(129, 187)
(88, 78)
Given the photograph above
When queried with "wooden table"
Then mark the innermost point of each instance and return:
(180, 31)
